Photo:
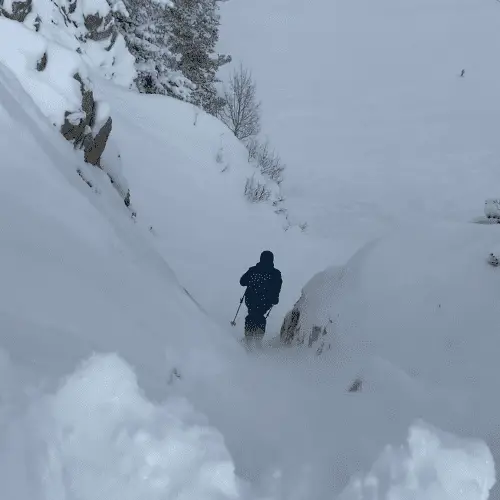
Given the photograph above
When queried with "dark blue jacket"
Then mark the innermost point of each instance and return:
(263, 282)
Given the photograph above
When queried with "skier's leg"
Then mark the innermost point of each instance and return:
(251, 322)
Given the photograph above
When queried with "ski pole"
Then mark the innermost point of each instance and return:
(241, 302)
(269, 312)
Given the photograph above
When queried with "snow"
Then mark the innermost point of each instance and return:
(492, 208)
(434, 465)
(209, 232)
(67, 29)
(119, 372)
(79, 277)
(54, 90)
(364, 102)
(413, 316)
(98, 420)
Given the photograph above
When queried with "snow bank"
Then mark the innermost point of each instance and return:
(98, 438)
(425, 299)
(434, 465)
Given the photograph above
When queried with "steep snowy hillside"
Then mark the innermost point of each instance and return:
(187, 174)
(80, 277)
(120, 377)
(365, 103)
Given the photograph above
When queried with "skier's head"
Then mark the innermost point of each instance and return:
(267, 258)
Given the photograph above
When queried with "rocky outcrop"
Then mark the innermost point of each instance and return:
(295, 331)
(60, 40)
(17, 11)
(80, 126)
(42, 63)
(101, 28)
(290, 326)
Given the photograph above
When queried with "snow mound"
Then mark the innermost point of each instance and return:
(425, 300)
(433, 466)
(99, 438)
(492, 208)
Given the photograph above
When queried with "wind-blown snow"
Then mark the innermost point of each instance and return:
(434, 465)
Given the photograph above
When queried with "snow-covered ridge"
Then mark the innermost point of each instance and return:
(85, 27)
(53, 48)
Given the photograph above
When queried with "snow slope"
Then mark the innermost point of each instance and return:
(121, 379)
(208, 231)
(78, 277)
(365, 104)
(116, 385)
(414, 317)
(169, 406)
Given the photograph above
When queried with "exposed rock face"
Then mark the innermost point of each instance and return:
(101, 28)
(80, 127)
(42, 63)
(61, 29)
(18, 11)
(290, 326)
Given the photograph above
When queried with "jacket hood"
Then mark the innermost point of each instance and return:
(267, 258)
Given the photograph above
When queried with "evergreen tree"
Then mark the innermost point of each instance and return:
(194, 35)
(145, 25)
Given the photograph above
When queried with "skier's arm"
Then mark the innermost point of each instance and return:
(245, 279)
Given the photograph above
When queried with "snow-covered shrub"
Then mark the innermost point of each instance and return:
(268, 161)
(252, 145)
(433, 465)
(256, 191)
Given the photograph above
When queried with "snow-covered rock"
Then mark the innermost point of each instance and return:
(82, 26)
(433, 465)
(492, 208)
(423, 299)
(54, 48)
(57, 80)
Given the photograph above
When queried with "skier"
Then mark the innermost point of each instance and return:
(263, 282)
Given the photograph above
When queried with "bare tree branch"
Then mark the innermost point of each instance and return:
(241, 110)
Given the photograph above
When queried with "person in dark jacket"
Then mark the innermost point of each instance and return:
(263, 282)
